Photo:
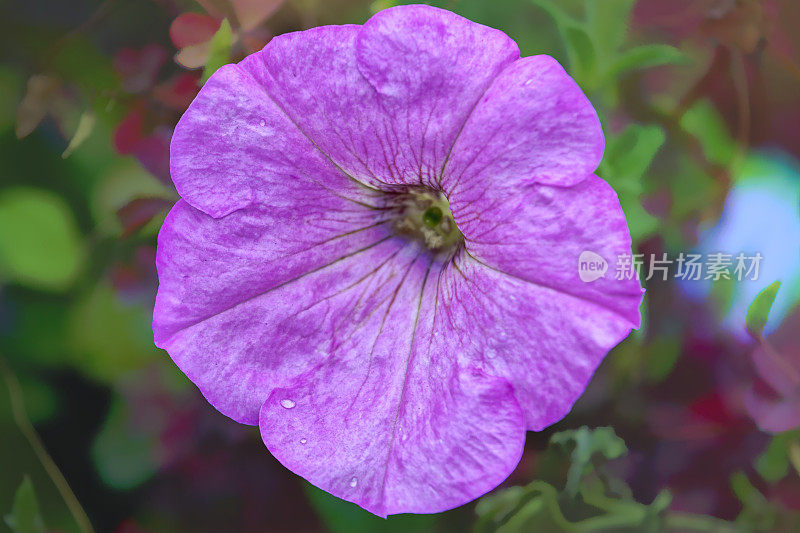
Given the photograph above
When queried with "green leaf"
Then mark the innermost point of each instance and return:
(581, 53)
(758, 313)
(521, 520)
(627, 158)
(692, 185)
(579, 45)
(773, 464)
(608, 23)
(647, 56)
(640, 222)
(522, 509)
(585, 444)
(500, 503)
(40, 244)
(630, 154)
(11, 86)
(705, 123)
(662, 356)
(758, 513)
(123, 456)
(793, 452)
(219, 52)
(535, 515)
(559, 15)
(25, 516)
(594, 44)
(108, 337)
(539, 507)
(82, 132)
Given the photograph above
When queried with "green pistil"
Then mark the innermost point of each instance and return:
(424, 214)
(432, 217)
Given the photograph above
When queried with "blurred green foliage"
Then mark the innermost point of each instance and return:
(25, 516)
(39, 240)
(627, 158)
(219, 50)
(590, 498)
(758, 313)
(586, 498)
(596, 45)
(773, 464)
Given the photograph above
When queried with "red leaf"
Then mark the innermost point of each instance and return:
(179, 91)
(129, 132)
(192, 28)
(139, 68)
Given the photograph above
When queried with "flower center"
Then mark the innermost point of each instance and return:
(424, 214)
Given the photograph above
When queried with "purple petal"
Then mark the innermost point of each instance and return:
(777, 367)
(430, 66)
(534, 124)
(777, 360)
(391, 421)
(342, 87)
(234, 147)
(231, 306)
(774, 415)
(538, 232)
(545, 342)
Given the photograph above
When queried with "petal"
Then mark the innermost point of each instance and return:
(776, 367)
(391, 421)
(534, 122)
(235, 147)
(538, 232)
(546, 343)
(230, 308)
(777, 360)
(432, 66)
(385, 101)
(773, 415)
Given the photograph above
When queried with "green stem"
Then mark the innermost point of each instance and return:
(23, 422)
(677, 521)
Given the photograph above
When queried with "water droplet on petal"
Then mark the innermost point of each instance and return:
(528, 82)
(287, 403)
(353, 482)
(263, 122)
(303, 441)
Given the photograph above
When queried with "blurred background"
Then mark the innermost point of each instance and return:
(691, 424)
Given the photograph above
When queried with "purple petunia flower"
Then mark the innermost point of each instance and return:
(376, 254)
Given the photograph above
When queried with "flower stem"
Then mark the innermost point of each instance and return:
(23, 422)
